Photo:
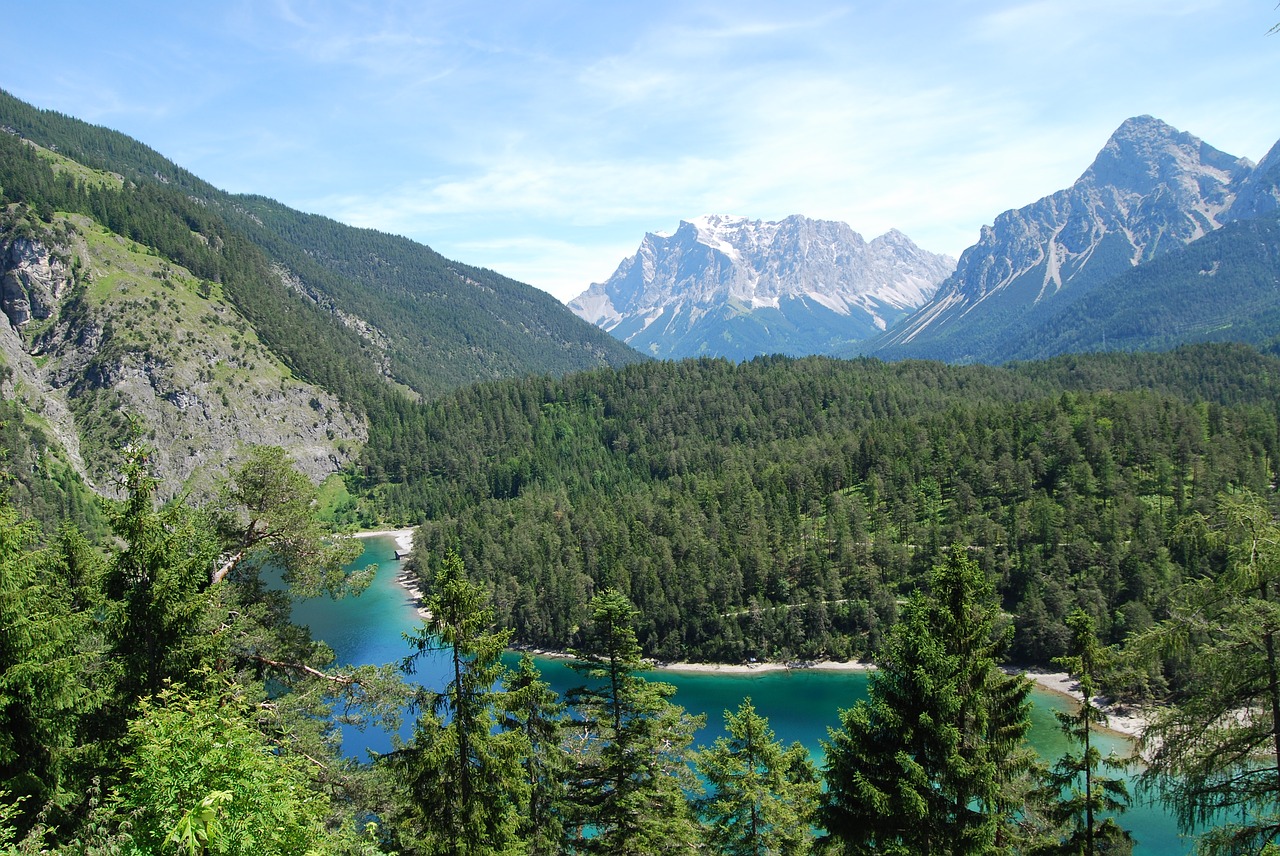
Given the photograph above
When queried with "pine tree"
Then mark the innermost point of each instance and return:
(266, 512)
(761, 796)
(627, 791)
(464, 779)
(926, 764)
(1078, 794)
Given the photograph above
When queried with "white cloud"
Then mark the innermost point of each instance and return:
(555, 135)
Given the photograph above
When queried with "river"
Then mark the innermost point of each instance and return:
(800, 705)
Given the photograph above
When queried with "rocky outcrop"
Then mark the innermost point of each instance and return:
(126, 338)
(32, 280)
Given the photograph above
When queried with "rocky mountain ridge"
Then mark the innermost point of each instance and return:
(730, 286)
(1151, 189)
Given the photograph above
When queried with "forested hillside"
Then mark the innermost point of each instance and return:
(781, 508)
(422, 320)
(139, 300)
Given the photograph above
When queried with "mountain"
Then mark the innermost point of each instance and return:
(140, 302)
(1224, 287)
(1260, 192)
(430, 324)
(1151, 190)
(733, 287)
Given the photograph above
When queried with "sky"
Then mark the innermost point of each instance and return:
(543, 139)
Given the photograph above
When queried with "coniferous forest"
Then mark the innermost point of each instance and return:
(1104, 514)
(781, 509)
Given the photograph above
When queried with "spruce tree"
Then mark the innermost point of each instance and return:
(463, 776)
(530, 707)
(927, 763)
(45, 684)
(157, 617)
(761, 796)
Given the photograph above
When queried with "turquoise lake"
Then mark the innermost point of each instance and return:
(800, 705)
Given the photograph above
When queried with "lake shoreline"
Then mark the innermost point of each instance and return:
(1123, 720)
(405, 579)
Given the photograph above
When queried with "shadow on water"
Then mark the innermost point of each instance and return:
(800, 705)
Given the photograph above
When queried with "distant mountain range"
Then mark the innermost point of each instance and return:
(1132, 248)
(733, 287)
(1132, 256)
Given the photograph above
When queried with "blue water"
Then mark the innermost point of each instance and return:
(800, 705)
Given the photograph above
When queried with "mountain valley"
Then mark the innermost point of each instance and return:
(200, 391)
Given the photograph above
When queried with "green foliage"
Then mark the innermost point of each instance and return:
(530, 707)
(930, 762)
(158, 588)
(761, 796)
(36, 478)
(627, 788)
(445, 324)
(202, 779)
(185, 231)
(100, 754)
(1214, 753)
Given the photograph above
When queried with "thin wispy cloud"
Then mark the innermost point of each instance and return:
(543, 140)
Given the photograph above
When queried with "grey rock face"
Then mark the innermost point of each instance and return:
(32, 281)
(1260, 192)
(1150, 189)
(198, 383)
(729, 286)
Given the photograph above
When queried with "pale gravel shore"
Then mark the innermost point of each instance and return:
(406, 580)
(758, 668)
(404, 537)
(1126, 720)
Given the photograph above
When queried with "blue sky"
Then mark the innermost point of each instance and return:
(543, 139)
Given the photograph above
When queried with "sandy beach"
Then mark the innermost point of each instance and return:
(1127, 720)
(404, 543)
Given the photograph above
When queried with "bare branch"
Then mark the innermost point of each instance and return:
(344, 680)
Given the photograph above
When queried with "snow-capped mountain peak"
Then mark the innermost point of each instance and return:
(732, 286)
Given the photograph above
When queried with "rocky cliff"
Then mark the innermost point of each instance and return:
(103, 339)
